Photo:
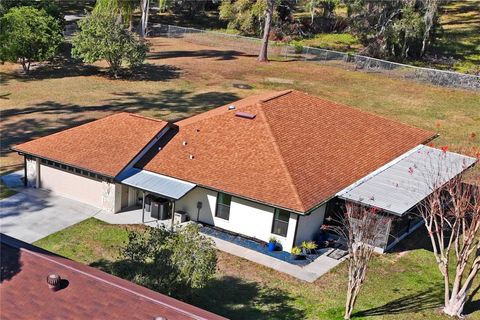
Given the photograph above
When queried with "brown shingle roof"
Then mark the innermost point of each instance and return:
(104, 146)
(298, 151)
(90, 294)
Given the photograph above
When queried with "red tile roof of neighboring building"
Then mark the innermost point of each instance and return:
(90, 293)
(103, 146)
(297, 152)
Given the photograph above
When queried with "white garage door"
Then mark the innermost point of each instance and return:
(72, 186)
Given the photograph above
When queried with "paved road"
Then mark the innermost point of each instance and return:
(33, 214)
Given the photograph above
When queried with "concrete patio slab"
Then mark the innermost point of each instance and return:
(33, 214)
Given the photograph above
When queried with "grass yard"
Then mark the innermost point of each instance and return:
(403, 285)
(5, 192)
(182, 79)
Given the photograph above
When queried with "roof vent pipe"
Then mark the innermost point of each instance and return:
(53, 281)
(231, 107)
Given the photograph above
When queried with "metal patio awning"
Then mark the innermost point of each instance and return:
(155, 183)
(407, 180)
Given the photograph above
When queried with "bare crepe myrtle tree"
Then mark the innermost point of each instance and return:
(452, 218)
(362, 229)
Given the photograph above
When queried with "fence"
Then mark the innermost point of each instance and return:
(344, 60)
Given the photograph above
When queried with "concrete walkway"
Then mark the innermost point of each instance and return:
(309, 273)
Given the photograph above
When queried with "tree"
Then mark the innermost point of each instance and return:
(263, 55)
(245, 16)
(396, 28)
(326, 6)
(50, 7)
(362, 229)
(102, 38)
(28, 34)
(124, 9)
(452, 218)
(170, 262)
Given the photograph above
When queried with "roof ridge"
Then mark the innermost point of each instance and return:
(215, 112)
(80, 125)
(277, 95)
(142, 116)
(280, 156)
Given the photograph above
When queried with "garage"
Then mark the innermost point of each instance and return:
(71, 185)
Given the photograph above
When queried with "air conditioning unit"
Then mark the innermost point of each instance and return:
(159, 210)
(180, 217)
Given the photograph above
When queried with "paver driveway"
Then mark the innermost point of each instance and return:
(33, 214)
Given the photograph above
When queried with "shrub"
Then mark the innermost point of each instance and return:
(101, 37)
(173, 263)
(296, 251)
(309, 246)
(28, 34)
(272, 239)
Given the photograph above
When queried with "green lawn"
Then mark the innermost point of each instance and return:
(402, 285)
(5, 192)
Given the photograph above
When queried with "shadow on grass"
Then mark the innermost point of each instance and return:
(231, 297)
(472, 305)
(216, 54)
(425, 300)
(235, 298)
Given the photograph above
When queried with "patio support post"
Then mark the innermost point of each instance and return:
(25, 182)
(37, 168)
(143, 206)
(173, 213)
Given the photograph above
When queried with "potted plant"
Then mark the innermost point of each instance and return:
(296, 253)
(309, 246)
(272, 244)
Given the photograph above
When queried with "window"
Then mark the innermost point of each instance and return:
(223, 206)
(280, 222)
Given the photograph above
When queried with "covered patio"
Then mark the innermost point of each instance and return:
(401, 185)
(158, 194)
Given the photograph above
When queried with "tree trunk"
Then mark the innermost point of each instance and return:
(454, 307)
(144, 20)
(263, 56)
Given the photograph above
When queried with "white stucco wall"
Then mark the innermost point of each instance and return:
(310, 224)
(246, 217)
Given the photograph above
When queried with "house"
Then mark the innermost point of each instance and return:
(84, 292)
(268, 165)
